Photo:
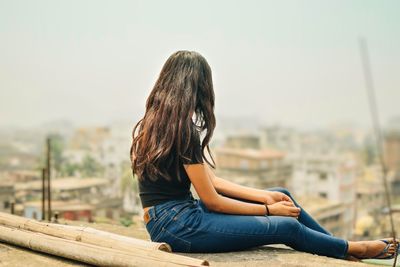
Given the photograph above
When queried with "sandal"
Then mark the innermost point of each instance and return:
(385, 250)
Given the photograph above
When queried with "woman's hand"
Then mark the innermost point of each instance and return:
(284, 208)
(272, 197)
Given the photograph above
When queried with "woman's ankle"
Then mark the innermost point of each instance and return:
(357, 249)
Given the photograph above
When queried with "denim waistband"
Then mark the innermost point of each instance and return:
(155, 210)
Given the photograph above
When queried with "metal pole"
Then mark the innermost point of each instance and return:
(369, 84)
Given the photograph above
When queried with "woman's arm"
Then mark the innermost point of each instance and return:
(231, 189)
(201, 181)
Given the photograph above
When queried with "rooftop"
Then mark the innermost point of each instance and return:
(251, 153)
(278, 255)
(314, 204)
(68, 183)
(61, 205)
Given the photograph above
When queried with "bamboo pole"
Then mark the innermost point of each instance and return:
(71, 233)
(92, 236)
(87, 232)
(91, 254)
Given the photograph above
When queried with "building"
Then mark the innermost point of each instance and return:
(392, 151)
(262, 168)
(281, 138)
(22, 176)
(392, 158)
(243, 141)
(89, 138)
(110, 208)
(384, 223)
(332, 177)
(370, 203)
(6, 195)
(69, 210)
(370, 191)
(68, 188)
(107, 146)
(330, 214)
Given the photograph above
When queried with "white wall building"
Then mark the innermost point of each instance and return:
(332, 177)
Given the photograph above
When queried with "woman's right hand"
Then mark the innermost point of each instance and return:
(284, 208)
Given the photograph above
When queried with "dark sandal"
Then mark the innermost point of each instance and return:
(385, 250)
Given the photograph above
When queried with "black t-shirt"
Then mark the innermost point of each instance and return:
(156, 192)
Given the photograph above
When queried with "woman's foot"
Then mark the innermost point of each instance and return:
(377, 249)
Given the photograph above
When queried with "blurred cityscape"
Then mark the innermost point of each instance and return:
(334, 173)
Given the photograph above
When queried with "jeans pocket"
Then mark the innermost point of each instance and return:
(157, 220)
(177, 244)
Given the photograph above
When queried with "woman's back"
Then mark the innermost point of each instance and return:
(156, 191)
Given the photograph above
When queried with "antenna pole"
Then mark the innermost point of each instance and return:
(369, 85)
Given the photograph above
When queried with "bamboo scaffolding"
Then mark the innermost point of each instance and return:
(91, 236)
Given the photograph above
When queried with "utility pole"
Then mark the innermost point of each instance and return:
(43, 194)
(48, 167)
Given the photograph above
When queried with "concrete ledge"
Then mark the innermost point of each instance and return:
(276, 255)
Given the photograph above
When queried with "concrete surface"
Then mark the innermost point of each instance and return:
(12, 256)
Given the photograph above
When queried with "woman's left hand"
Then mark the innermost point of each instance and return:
(272, 197)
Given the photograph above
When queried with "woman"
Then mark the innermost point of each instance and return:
(168, 156)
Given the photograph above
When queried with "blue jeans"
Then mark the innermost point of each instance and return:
(188, 226)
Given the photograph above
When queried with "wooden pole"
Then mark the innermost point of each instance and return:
(12, 207)
(48, 167)
(43, 194)
(86, 234)
(88, 253)
(105, 239)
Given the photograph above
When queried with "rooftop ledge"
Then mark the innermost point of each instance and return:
(272, 255)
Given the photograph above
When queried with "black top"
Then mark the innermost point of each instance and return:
(156, 192)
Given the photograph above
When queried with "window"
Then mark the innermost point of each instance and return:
(264, 164)
(323, 176)
(323, 194)
(244, 164)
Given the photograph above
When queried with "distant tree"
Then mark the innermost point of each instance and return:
(69, 169)
(129, 188)
(90, 167)
(57, 145)
(57, 148)
(128, 180)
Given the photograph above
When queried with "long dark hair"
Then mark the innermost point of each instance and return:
(184, 88)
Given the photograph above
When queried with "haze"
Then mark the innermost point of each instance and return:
(288, 62)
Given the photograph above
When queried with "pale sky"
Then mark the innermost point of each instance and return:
(292, 62)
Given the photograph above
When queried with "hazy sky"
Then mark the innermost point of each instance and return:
(292, 62)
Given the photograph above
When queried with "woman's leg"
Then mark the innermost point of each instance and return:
(304, 217)
(190, 227)
(201, 230)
